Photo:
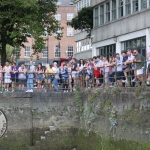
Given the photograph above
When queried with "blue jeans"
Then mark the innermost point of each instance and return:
(55, 82)
(30, 81)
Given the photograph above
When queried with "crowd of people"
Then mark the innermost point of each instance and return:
(123, 69)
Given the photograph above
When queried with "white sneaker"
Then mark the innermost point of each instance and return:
(64, 91)
(31, 90)
(133, 80)
(28, 91)
(126, 81)
(123, 81)
(12, 91)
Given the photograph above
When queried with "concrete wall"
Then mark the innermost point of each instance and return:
(120, 113)
(125, 25)
(84, 54)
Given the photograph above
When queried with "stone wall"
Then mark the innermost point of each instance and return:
(33, 117)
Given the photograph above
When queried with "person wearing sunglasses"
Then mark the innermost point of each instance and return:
(139, 60)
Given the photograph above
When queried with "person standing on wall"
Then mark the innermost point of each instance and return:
(7, 81)
(139, 66)
(74, 71)
(56, 76)
(30, 77)
(14, 75)
(39, 76)
(22, 77)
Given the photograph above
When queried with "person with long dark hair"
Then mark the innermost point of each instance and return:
(81, 73)
(39, 76)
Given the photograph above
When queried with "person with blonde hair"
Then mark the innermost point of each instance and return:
(49, 75)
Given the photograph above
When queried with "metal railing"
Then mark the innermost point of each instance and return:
(47, 82)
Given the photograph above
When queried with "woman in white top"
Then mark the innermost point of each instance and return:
(106, 71)
(22, 77)
(70, 75)
(7, 81)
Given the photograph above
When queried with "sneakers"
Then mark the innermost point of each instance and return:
(29, 90)
(133, 80)
(6, 90)
(12, 91)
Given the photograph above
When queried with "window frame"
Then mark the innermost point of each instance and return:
(119, 8)
(102, 14)
(68, 17)
(58, 17)
(107, 12)
(59, 53)
(69, 31)
(127, 5)
(45, 52)
(27, 51)
(96, 17)
(114, 9)
(71, 52)
(134, 2)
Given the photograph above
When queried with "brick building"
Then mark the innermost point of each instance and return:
(65, 12)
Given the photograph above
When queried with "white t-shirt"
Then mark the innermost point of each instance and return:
(56, 72)
(130, 58)
(99, 63)
(106, 68)
(21, 74)
(119, 62)
(32, 69)
(7, 70)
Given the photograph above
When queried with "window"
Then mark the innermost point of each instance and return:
(101, 14)
(88, 3)
(139, 44)
(58, 3)
(70, 16)
(120, 8)
(135, 5)
(27, 51)
(70, 31)
(57, 52)
(96, 17)
(45, 52)
(107, 12)
(143, 4)
(70, 51)
(58, 17)
(107, 51)
(113, 9)
(128, 7)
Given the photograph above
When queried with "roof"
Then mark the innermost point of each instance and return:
(64, 3)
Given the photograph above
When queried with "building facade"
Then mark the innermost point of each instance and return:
(83, 44)
(65, 12)
(119, 25)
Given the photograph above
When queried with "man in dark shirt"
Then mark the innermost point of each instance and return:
(14, 75)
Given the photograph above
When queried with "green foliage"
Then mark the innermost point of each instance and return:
(83, 21)
(30, 18)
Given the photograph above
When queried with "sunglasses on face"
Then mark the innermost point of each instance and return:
(134, 52)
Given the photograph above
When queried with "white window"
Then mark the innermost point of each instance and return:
(70, 31)
(27, 51)
(58, 17)
(107, 12)
(58, 3)
(70, 16)
(45, 52)
(57, 52)
(70, 51)
(88, 3)
(96, 19)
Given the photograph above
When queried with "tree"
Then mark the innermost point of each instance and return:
(20, 19)
(83, 20)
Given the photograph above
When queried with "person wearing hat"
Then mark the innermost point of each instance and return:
(56, 76)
